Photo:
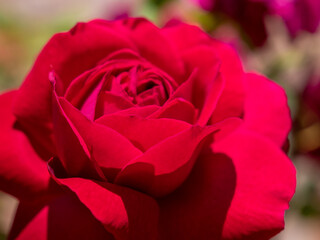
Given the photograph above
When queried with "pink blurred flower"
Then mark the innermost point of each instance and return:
(311, 94)
(250, 15)
(299, 15)
(307, 134)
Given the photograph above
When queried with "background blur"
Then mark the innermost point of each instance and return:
(25, 26)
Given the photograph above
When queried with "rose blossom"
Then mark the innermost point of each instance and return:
(122, 130)
(250, 15)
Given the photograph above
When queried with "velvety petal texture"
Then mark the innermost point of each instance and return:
(125, 213)
(62, 218)
(123, 130)
(271, 120)
(262, 170)
(23, 173)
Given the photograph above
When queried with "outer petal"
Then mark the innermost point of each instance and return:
(185, 36)
(238, 191)
(231, 101)
(69, 54)
(125, 213)
(207, 82)
(22, 171)
(63, 218)
(165, 166)
(197, 210)
(266, 109)
(265, 185)
(71, 147)
(154, 46)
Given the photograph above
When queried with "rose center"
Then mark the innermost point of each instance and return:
(119, 85)
(140, 86)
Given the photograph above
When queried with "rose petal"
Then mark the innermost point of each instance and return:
(89, 106)
(143, 133)
(238, 191)
(141, 111)
(107, 147)
(89, 83)
(72, 150)
(178, 109)
(204, 60)
(265, 185)
(80, 87)
(266, 109)
(84, 90)
(185, 90)
(109, 103)
(231, 101)
(22, 171)
(62, 218)
(125, 213)
(198, 208)
(158, 49)
(164, 167)
(211, 100)
(68, 54)
(124, 54)
(185, 36)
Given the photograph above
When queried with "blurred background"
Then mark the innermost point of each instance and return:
(278, 38)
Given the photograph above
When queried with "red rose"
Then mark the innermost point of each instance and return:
(147, 134)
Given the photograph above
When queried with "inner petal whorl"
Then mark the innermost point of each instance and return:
(141, 86)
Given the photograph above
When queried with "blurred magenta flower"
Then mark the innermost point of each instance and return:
(299, 15)
(311, 94)
(307, 124)
(250, 15)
